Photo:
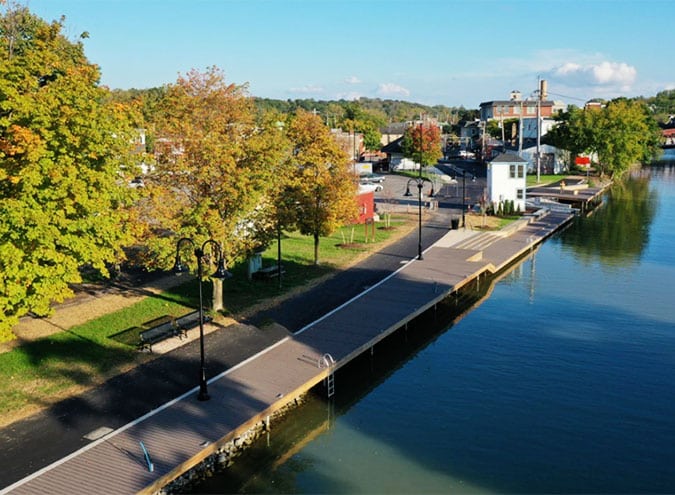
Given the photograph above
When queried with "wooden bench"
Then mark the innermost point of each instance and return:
(167, 326)
(268, 272)
(156, 334)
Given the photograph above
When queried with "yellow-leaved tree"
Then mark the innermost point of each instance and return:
(215, 167)
(323, 188)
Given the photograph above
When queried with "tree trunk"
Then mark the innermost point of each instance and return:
(316, 249)
(217, 303)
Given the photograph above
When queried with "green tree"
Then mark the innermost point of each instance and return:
(620, 134)
(625, 135)
(423, 144)
(573, 131)
(324, 190)
(65, 151)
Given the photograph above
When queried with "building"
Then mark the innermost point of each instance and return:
(506, 180)
(349, 142)
(552, 161)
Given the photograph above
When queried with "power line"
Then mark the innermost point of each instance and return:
(568, 97)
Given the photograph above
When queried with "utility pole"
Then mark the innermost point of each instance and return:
(539, 95)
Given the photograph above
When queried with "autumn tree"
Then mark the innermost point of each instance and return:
(64, 153)
(422, 143)
(215, 161)
(323, 190)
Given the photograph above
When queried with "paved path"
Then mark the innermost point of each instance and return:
(185, 430)
(59, 430)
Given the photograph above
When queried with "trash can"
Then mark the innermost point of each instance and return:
(454, 223)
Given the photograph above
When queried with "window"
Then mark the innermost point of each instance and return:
(520, 194)
(521, 171)
(512, 171)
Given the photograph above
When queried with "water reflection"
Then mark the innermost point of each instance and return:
(272, 463)
(617, 232)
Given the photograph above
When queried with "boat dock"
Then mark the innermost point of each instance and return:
(147, 454)
(573, 191)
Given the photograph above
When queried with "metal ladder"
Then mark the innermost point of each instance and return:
(327, 361)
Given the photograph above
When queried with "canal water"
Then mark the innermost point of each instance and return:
(561, 378)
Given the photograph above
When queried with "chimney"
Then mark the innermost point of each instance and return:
(543, 90)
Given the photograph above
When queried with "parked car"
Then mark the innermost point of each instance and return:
(379, 179)
(366, 186)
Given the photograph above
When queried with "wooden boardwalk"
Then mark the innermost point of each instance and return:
(184, 431)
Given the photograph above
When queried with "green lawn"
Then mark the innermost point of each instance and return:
(39, 372)
(543, 179)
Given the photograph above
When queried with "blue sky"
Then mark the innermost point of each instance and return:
(428, 51)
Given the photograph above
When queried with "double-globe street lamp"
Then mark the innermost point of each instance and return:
(221, 273)
(420, 183)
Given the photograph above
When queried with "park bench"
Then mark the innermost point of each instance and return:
(168, 326)
(268, 272)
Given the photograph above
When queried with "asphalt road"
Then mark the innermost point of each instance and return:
(59, 430)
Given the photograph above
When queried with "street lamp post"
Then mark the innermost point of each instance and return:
(420, 183)
(220, 273)
(473, 179)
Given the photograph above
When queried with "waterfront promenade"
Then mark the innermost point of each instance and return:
(184, 431)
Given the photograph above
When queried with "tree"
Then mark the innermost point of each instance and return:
(620, 134)
(65, 154)
(216, 161)
(573, 131)
(625, 135)
(423, 144)
(324, 190)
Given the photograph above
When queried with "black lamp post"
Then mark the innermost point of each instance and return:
(220, 273)
(420, 183)
(473, 179)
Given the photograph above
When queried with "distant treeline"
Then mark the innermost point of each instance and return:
(387, 111)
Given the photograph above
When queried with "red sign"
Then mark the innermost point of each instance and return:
(582, 160)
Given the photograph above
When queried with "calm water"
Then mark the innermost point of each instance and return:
(562, 380)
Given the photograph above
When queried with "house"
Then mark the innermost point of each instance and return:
(395, 157)
(349, 142)
(506, 180)
(552, 159)
(668, 132)
(526, 111)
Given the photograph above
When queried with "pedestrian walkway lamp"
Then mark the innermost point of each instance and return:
(473, 179)
(420, 183)
(221, 273)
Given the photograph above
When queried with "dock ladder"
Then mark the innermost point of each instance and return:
(327, 361)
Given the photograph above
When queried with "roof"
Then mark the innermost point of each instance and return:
(508, 158)
(393, 147)
(544, 103)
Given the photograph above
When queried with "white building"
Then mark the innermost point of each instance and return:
(506, 180)
(552, 159)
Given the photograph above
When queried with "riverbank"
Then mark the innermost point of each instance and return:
(228, 409)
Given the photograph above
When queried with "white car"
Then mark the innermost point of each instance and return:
(365, 187)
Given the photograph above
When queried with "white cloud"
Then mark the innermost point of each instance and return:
(352, 80)
(612, 74)
(307, 89)
(391, 89)
(351, 95)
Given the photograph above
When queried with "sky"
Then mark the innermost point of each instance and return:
(435, 52)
